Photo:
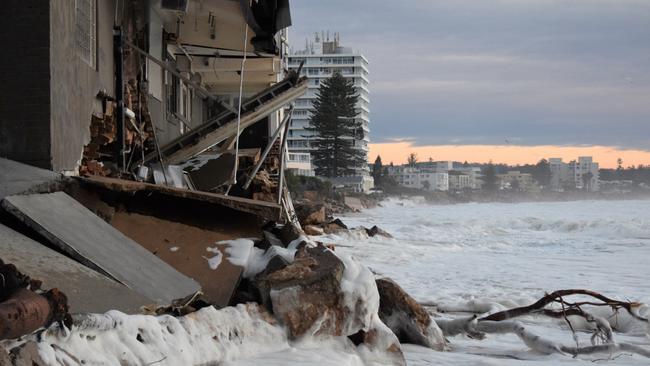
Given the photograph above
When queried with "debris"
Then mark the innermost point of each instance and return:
(334, 226)
(289, 233)
(410, 322)
(313, 230)
(210, 171)
(375, 230)
(263, 188)
(266, 210)
(353, 203)
(311, 214)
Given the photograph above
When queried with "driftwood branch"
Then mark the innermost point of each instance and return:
(501, 322)
(557, 297)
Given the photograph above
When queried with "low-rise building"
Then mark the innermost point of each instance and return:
(459, 181)
(474, 178)
(300, 164)
(353, 183)
(516, 180)
(413, 177)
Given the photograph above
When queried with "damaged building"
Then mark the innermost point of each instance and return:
(133, 136)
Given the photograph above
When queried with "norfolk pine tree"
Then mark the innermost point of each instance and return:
(335, 129)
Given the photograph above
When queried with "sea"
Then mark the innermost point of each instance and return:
(493, 256)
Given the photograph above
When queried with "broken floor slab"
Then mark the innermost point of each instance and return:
(81, 234)
(16, 178)
(267, 210)
(87, 290)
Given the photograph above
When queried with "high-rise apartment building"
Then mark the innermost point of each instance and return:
(577, 174)
(321, 58)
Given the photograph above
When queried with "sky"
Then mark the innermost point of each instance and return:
(515, 80)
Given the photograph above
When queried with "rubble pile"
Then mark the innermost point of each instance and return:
(273, 293)
(314, 219)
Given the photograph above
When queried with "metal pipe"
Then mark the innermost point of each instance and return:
(283, 150)
(268, 148)
(118, 50)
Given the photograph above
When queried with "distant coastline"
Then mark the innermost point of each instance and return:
(512, 197)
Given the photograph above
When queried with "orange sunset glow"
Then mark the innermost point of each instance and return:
(397, 152)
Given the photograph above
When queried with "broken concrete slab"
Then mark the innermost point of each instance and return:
(267, 210)
(16, 178)
(353, 202)
(87, 238)
(209, 174)
(87, 290)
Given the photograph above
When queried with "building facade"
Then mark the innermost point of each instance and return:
(518, 181)
(413, 177)
(300, 164)
(320, 59)
(582, 174)
(472, 181)
(180, 59)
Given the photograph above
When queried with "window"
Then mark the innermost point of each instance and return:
(173, 94)
(86, 30)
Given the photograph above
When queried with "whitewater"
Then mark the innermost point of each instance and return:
(492, 256)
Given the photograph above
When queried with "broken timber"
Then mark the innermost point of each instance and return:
(224, 125)
(266, 210)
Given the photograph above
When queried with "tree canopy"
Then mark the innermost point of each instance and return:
(335, 129)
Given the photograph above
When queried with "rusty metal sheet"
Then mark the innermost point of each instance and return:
(87, 238)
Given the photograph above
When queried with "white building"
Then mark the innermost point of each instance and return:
(577, 174)
(559, 173)
(459, 181)
(300, 164)
(355, 183)
(515, 179)
(473, 180)
(585, 173)
(413, 177)
(322, 58)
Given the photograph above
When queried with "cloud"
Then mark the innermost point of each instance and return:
(472, 71)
